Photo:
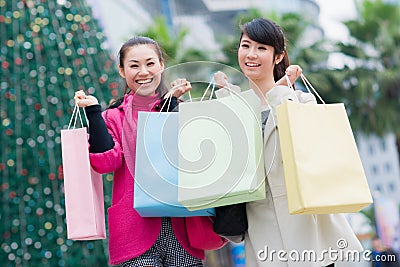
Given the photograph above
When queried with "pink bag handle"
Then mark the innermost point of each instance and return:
(76, 113)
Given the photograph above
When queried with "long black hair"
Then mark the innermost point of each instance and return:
(267, 32)
(135, 41)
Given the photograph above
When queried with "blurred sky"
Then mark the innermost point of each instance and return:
(332, 14)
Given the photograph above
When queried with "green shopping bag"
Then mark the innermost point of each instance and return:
(220, 152)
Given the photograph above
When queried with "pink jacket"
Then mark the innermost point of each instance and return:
(130, 235)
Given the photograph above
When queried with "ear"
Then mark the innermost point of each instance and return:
(121, 71)
(162, 65)
(279, 58)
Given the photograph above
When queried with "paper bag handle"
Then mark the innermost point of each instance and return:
(212, 82)
(307, 83)
(208, 87)
(190, 97)
(169, 102)
(169, 95)
(75, 114)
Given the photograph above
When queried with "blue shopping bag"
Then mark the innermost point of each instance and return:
(156, 167)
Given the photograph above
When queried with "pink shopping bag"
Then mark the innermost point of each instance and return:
(84, 198)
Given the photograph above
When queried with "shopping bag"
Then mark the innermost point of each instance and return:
(201, 234)
(156, 167)
(84, 198)
(220, 151)
(322, 167)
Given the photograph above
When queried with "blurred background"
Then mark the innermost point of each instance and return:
(349, 50)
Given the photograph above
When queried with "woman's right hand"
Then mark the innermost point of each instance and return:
(179, 87)
(83, 100)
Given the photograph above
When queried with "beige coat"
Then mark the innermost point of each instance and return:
(272, 230)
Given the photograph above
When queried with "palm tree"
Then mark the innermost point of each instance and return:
(173, 43)
(370, 84)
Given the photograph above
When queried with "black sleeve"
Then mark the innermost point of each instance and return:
(99, 138)
(165, 107)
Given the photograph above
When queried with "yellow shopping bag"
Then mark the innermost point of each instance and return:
(323, 170)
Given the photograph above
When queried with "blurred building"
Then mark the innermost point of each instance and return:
(209, 19)
(381, 164)
(205, 19)
(380, 160)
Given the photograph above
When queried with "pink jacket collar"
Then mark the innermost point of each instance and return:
(132, 104)
(139, 101)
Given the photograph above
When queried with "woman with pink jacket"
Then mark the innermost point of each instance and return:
(135, 240)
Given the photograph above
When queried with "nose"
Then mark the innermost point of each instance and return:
(252, 53)
(143, 71)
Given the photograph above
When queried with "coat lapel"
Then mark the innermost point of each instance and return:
(270, 126)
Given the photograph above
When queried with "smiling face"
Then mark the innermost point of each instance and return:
(257, 60)
(142, 69)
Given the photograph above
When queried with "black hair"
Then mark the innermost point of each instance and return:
(267, 32)
(135, 41)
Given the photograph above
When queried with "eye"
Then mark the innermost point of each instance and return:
(150, 64)
(134, 66)
(262, 48)
(244, 45)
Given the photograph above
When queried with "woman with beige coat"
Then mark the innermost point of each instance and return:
(274, 237)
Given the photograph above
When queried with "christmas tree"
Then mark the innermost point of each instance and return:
(48, 50)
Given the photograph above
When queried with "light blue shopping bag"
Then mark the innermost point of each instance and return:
(156, 167)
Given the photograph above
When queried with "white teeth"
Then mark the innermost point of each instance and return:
(144, 81)
(252, 64)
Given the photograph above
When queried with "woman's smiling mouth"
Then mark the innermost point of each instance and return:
(144, 81)
(252, 64)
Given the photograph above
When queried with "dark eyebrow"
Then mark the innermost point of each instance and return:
(135, 61)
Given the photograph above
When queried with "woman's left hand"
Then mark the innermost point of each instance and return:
(293, 72)
(179, 87)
